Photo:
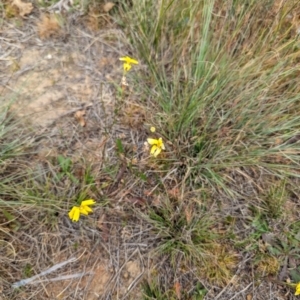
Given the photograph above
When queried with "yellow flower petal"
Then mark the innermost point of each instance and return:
(71, 212)
(157, 151)
(297, 289)
(129, 60)
(133, 61)
(88, 202)
(157, 146)
(152, 141)
(85, 210)
(152, 129)
(124, 58)
(153, 149)
(160, 144)
(74, 213)
(126, 67)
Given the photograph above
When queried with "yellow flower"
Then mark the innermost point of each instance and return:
(152, 129)
(74, 213)
(128, 61)
(84, 209)
(297, 289)
(126, 67)
(157, 146)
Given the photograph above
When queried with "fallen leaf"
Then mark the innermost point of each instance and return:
(108, 6)
(177, 289)
(79, 116)
(174, 193)
(24, 8)
(249, 297)
(188, 214)
(157, 201)
(278, 141)
(134, 161)
(48, 26)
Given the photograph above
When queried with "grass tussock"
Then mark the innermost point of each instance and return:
(182, 233)
(218, 79)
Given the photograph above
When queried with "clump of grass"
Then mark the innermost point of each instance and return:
(275, 199)
(181, 235)
(13, 140)
(152, 291)
(189, 236)
(16, 143)
(267, 265)
(156, 288)
(222, 85)
(219, 266)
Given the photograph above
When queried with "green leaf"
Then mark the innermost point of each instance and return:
(73, 178)
(295, 274)
(120, 148)
(65, 163)
(7, 215)
(15, 225)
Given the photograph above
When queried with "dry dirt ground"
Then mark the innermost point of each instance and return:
(46, 80)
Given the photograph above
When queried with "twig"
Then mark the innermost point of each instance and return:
(63, 277)
(50, 270)
(60, 5)
(243, 290)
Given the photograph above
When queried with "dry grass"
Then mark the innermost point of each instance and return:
(215, 215)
